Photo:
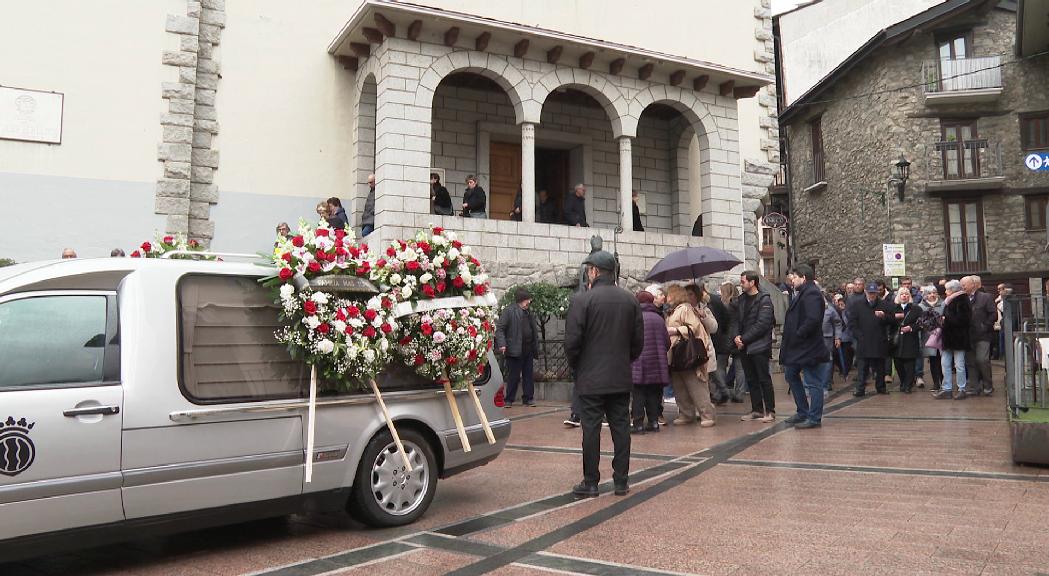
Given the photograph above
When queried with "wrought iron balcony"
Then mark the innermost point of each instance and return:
(962, 80)
(965, 254)
(974, 164)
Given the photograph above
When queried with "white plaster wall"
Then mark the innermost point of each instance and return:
(285, 107)
(104, 55)
(816, 38)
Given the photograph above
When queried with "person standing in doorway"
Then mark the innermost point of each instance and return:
(575, 207)
(547, 210)
(637, 212)
(803, 352)
(753, 343)
(517, 339)
(871, 317)
(604, 334)
(368, 217)
(475, 201)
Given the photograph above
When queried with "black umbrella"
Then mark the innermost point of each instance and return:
(692, 263)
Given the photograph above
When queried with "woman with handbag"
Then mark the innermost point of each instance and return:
(932, 310)
(907, 345)
(690, 353)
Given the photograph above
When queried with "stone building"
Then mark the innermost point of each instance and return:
(952, 91)
(228, 118)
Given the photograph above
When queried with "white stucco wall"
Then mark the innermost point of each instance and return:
(816, 38)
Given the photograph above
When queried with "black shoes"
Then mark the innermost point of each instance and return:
(795, 419)
(942, 394)
(586, 490)
(637, 429)
(572, 422)
(859, 393)
(530, 404)
(883, 391)
(653, 427)
(622, 488)
(807, 424)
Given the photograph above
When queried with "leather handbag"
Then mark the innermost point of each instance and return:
(935, 339)
(688, 353)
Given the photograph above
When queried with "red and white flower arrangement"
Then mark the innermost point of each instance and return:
(350, 342)
(450, 343)
(320, 251)
(161, 245)
(433, 264)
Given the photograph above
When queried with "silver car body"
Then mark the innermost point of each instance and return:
(133, 446)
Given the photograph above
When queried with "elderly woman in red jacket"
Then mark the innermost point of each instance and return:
(649, 371)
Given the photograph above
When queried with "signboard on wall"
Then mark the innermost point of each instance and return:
(31, 115)
(894, 260)
(1037, 161)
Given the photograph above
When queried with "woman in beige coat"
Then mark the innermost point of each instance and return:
(691, 387)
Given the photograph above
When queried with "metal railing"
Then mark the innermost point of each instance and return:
(962, 74)
(965, 255)
(1025, 325)
(963, 159)
(550, 363)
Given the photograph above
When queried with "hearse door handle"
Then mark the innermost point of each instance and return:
(90, 410)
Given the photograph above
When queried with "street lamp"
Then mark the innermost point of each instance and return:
(903, 171)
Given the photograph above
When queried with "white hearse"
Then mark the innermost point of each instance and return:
(140, 396)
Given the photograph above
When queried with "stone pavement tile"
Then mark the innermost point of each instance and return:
(922, 404)
(420, 562)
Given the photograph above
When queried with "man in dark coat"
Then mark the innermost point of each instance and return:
(908, 346)
(637, 213)
(753, 342)
(803, 352)
(955, 340)
(981, 333)
(575, 207)
(517, 339)
(475, 201)
(604, 333)
(546, 211)
(722, 340)
(368, 216)
(871, 318)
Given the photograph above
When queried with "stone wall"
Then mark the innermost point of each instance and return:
(461, 113)
(842, 227)
(188, 149)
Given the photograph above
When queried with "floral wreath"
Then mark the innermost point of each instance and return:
(450, 343)
(169, 243)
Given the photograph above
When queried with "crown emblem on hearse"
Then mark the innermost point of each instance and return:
(17, 450)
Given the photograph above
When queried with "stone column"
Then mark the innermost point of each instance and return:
(626, 184)
(527, 172)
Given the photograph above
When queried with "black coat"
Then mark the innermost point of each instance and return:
(547, 212)
(756, 316)
(871, 333)
(957, 320)
(910, 345)
(442, 200)
(604, 333)
(575, 210)
(514, 214)
(509, 330)
(984, 315)
(339, 220)
(803, 342)
(637, 219)
(475, 200)
(726, 325)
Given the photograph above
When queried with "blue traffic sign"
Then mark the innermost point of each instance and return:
(1037, 161)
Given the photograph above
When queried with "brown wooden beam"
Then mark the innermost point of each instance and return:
(415, 29)
(645, 71)
(451, 36)
(725, 88)
(348, 63)
(361, 49)
(700, 82)
(385, 26)
(586, 60)
(521, 48)
(372, 35)
(616, 66)
(677, 78)
(745, 92)
(554, 54)
(481, 44)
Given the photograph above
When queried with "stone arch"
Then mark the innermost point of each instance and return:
(364, 114)
(592, 84)
(495, 67)
(683, 101)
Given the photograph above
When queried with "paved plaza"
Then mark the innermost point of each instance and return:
(897, 484)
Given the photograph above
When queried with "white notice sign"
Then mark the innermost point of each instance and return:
(30, 115)
(894, 260)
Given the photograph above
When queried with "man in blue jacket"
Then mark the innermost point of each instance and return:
(803, 353)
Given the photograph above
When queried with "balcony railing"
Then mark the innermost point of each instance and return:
(956, 160)
(965, 255)
(943, 77)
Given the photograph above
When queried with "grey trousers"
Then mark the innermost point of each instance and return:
(978, 366)
(719, 379)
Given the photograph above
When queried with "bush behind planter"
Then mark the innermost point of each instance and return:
(548, 301)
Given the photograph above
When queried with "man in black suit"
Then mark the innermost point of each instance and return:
(981, 332)
(871, 318)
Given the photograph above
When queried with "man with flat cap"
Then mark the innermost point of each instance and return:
(604, 333)
(871, 318)
(517, 339)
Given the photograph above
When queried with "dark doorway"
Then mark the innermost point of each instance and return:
(552, 174)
